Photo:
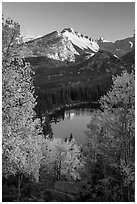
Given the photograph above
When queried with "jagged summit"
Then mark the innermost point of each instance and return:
(71, 30)
(81, 41)
(101, 40)
(65, 45)
(70, 45)
(68, 29)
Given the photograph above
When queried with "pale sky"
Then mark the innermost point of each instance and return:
(110, 20)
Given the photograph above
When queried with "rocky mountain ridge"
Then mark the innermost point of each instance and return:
(80, 41)
(53, 46)
(119, 47)
(71, 46)
(67, 71)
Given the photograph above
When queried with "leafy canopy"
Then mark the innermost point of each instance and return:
(22, 133)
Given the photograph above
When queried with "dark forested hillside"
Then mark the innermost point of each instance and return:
(58, 83)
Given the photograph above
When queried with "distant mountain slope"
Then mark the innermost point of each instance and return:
(53, 46)
(64, 46)
(71, 46)
(100, 65)
(29, 38)
(105, 62)
(129, 58)
(119, 47)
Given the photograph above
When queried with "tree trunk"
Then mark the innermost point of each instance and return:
(19, 186)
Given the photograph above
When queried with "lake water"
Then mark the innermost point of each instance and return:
(73, 121)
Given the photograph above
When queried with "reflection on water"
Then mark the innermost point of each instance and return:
(69, 115)
(73, 121)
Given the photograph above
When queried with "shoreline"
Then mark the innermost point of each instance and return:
(94, 105)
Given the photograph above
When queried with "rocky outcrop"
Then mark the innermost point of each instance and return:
(54, 46)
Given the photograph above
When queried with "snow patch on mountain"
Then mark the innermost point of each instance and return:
(116, 56)
(100, 39)
(131, 44)
(79, 40)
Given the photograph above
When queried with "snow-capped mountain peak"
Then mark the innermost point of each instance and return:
(82, 42)
(69, 30)
(71, 46)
